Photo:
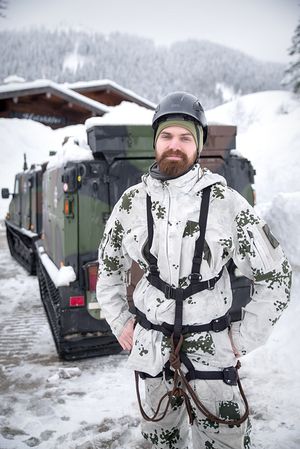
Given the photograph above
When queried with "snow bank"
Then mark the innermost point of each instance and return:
(269, 135)
(72, 150)
(283, 216)
(60, 277)
(126, 113)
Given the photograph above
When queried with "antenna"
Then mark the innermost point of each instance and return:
(25, 167)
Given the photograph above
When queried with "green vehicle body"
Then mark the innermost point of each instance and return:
(24, 218)
(76, 201)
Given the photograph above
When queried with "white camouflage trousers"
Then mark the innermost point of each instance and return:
(174, 431)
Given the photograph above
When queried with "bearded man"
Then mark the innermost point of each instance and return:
(182, 225)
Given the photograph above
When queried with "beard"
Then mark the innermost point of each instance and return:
(173, 168)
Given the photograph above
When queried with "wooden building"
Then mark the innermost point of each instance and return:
(58, 105)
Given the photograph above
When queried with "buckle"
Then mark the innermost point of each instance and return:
(168, 291)
(230, 375)
(153, 269)
(215, 325)
(142, 321)
(211, 287)
(195, 277)
(220, 324)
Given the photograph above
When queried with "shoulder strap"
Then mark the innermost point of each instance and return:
(152, 261)
(199, 246)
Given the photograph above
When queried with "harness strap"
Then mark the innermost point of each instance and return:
(216, 325)
(181, 386)
(186, 391)
(228, 375)
(199, 246)
(152, 261)
(173, 293)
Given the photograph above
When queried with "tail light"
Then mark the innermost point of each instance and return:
(69, 207)
(91, 270)
(76, 301)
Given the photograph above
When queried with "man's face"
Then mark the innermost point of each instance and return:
(175, 151)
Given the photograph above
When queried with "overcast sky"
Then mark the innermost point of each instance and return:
(261, 28)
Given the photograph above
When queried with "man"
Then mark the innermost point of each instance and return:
(182, 225)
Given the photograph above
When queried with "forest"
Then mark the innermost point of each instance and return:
(213, 72)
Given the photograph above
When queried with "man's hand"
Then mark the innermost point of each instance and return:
(125, 339)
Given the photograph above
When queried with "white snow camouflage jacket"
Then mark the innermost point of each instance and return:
(233, 231)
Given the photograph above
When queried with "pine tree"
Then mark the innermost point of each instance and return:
(3, 5)
(292, 73)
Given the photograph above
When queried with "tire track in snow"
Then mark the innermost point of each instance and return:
(23, 324)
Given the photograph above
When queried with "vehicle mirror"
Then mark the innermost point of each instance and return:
(5, 193)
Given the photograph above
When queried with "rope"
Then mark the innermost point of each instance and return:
(178, 392)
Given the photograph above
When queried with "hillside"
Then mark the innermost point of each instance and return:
(214, 72)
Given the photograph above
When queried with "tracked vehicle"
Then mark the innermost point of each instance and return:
(24, 219)
(56, 229)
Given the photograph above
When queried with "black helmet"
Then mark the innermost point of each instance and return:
(180, 104)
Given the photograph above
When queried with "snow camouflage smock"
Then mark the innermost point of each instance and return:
(233, 231)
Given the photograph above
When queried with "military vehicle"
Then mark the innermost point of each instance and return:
(24, 219)
(76, 198)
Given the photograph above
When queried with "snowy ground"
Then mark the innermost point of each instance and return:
(90, 404)
(48, 403)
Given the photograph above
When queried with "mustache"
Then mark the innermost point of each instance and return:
(173, 153)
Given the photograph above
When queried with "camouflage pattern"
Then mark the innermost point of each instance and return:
(24, 218)
(234, 231)
(173, 432)
(25, 208)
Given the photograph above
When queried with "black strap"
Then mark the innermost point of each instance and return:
(216, 325)
(152, 261)
(172, 292)
(199, 246)
(229, 375)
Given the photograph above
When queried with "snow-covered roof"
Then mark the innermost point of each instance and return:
(44, 86)
(109, 84)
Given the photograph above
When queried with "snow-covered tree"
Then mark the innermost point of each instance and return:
(292, 73)
(3, 5)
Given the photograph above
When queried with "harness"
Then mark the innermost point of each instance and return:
(176, 332)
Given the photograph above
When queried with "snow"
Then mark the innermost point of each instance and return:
(110, 84)
(60, 277)
(91, 403)
(19, 136)
(74, 60)
(269, 135)
(14, 79)
(62, 89)
(75, 149)
(126, 113)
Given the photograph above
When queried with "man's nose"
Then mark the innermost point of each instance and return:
(174, 143)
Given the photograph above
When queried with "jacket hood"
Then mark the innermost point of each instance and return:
(195, 179)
